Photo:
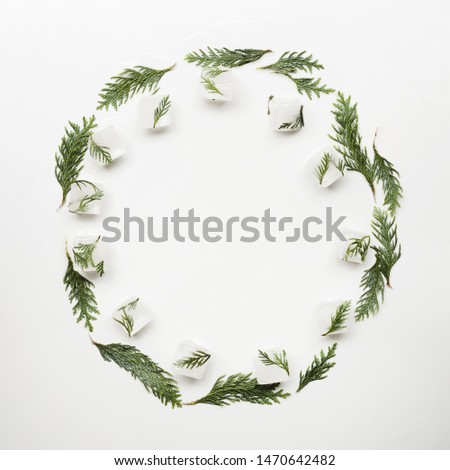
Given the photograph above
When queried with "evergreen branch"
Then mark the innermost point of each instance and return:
(99, 152)
(196, 359)
(210, 86)
(389, 177)
(291, 62)
(349, 140)
(224, 57)
(268, 104)
(86, 200)
(81, 295)
(83, 256)
(241, 388)
(373, 286)
(161, 110)
(322, 167)
(155, 379)
(319, 368)
(130, 81)
(310, 86)
(127, 322)
(358, 246)
(277, 359)
(298, 123)
(339, 318)
(70, 154)
(384, 229)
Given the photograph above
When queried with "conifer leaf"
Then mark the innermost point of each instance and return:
(210, 86)
(83, 256)
(99, 152)
(297, 124)
(339, 318)
(81, 295)
(224, 57)
(161, 110)
(127, 320)
(322, 167)
(241, 388)
(277, 359)
(358, 246)
(129, 82)
(310, 86)
(292, 62)
(196, 359)
(155, 379)
(88, 199)
(319, 368)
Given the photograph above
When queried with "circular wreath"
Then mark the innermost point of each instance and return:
(346, 154)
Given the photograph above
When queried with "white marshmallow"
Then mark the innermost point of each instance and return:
(323, 312)
(269, 374)
(78, 192)
(107, 136)
(224, 83)
(332, 174)
(139, 311)
(341, 246)
(283, 110)
(146, 112)
(185, 350)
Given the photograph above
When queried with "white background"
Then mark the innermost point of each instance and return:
(391, 385)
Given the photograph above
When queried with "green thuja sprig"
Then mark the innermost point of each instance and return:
(81, 295)
(291, 62)
(241, 388)
(161, 110)
(155, 379)
(127, 320)
(349, 140)
(389, 177)
(224, 57)
(88, 199)
(310, 86)
(358, 246)
(319, 368)
(83, 256)
(298, 122)
(322, 167)
(70, 154)
(377, 277)
(99, 152)
(210, 86)
(339, 318)
(196, 359)
(127, 83)
(277, 359)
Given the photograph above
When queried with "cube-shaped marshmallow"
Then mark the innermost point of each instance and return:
(356, 246)
(268, 366)
(191, 360)
(217, 86)
(326, 158)
(78, 245)
(324, 311)
(85, 198)
(286, 113)
(154, 111)
(107, 136)
(132, 314)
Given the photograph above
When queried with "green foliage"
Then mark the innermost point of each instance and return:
(378, 275)
(86, 200)
(127, 320)
(277, 359)
(310, 86)
(155, 379)
(161, 110)
(99, 152)
(297, 124)
(83, 256)
(241, 388)
(319, 368)
(339, 318)
(349, 140)
(389, 177)
(358, 246)
(127, 83)
(322, 167)
(210, 86)
(81, 295)
(292, 62)
(197, 359)
(224, 57)
(70, 154)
